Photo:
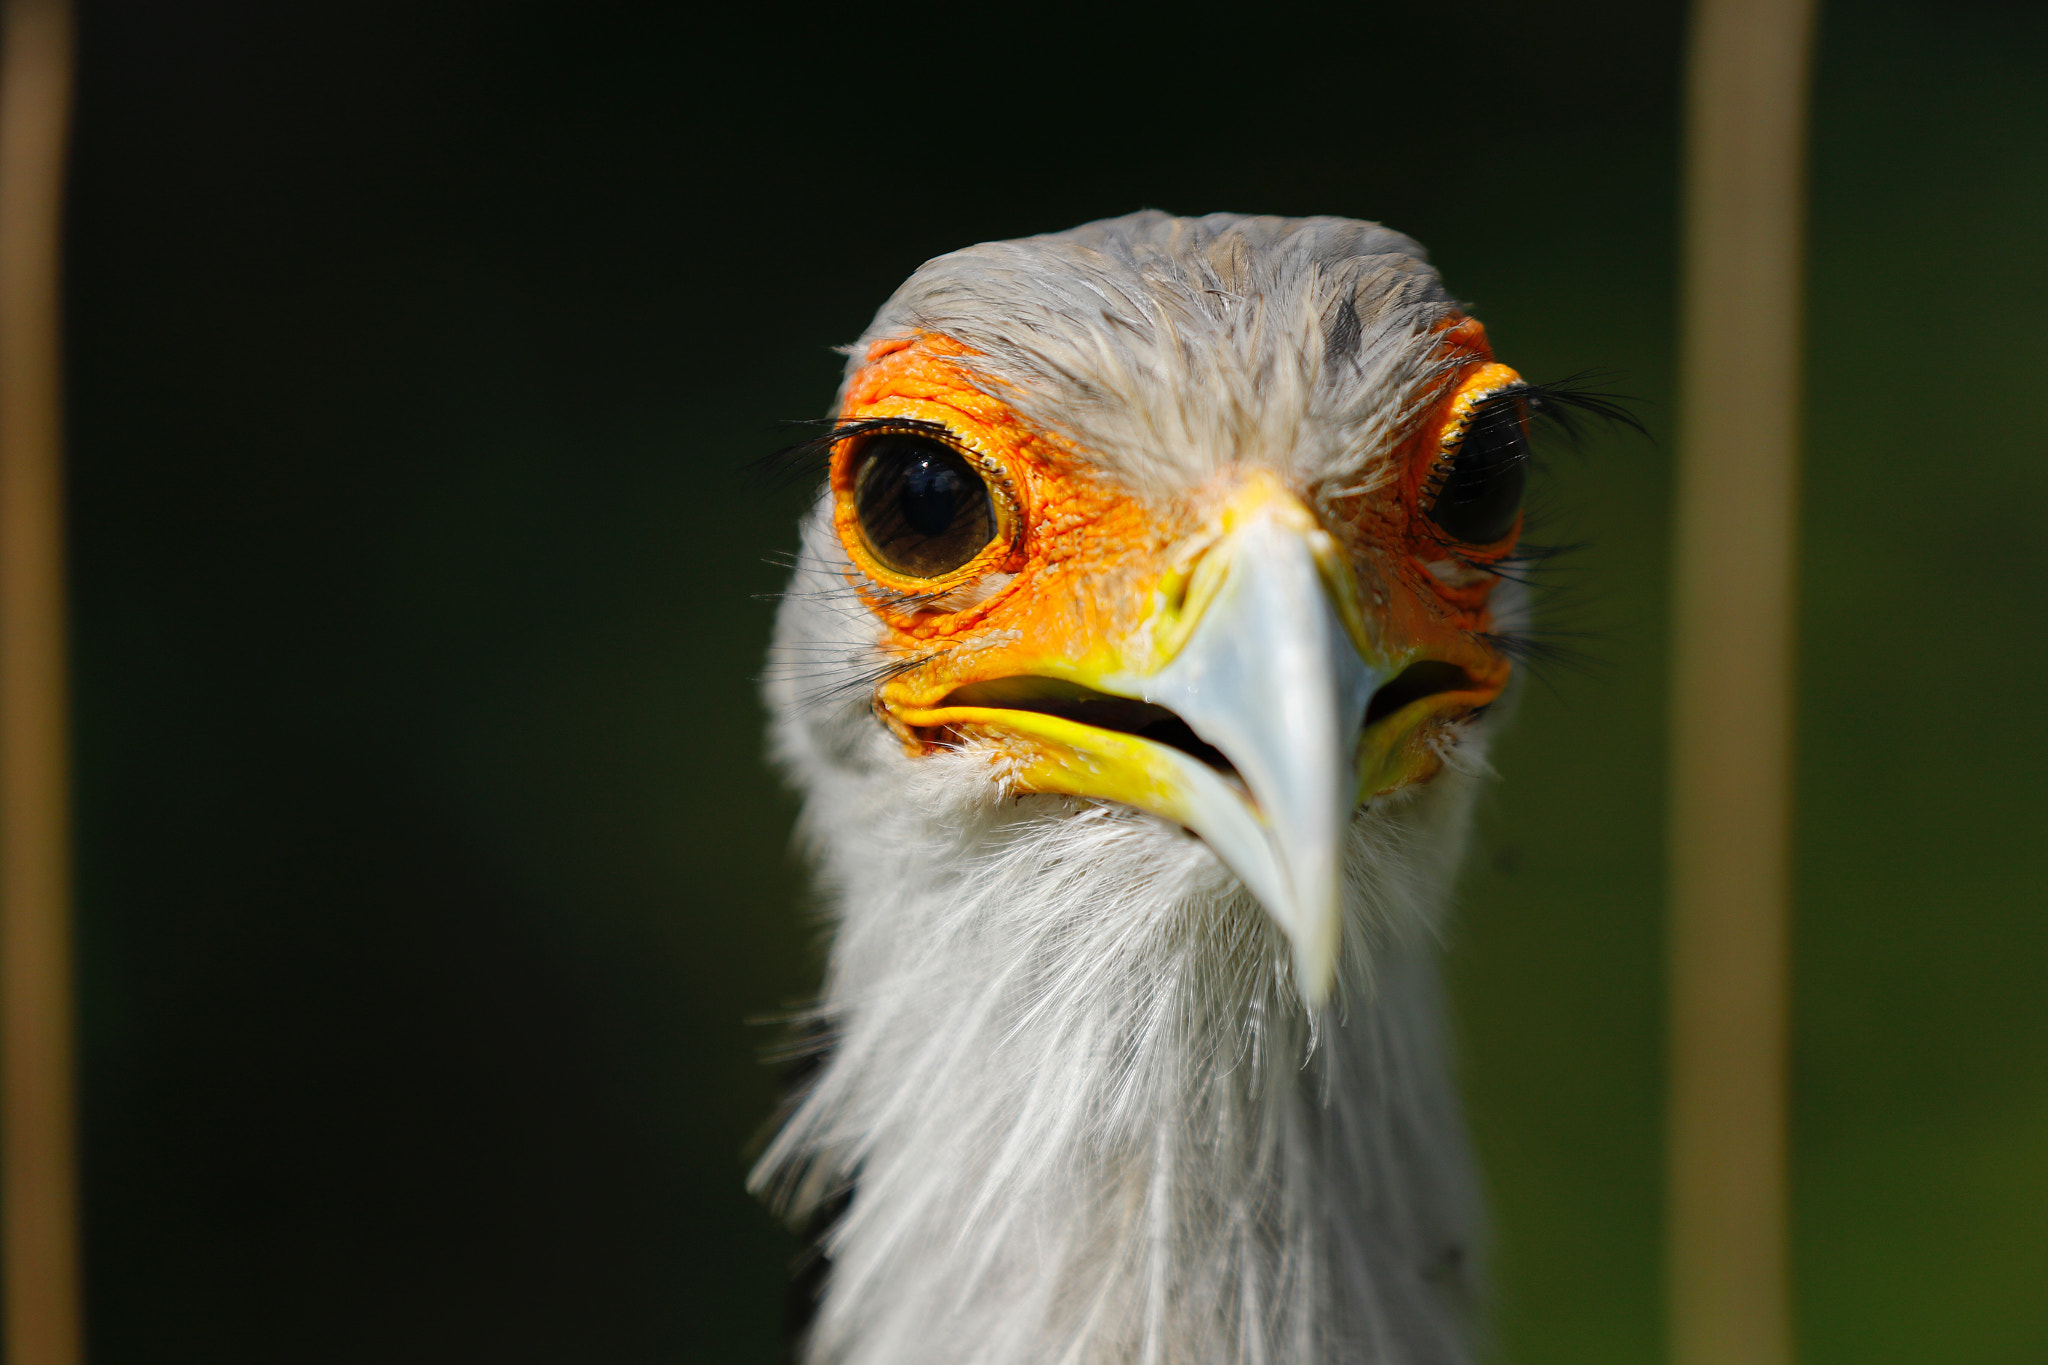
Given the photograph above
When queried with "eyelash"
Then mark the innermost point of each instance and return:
(813, 457)
(1562, 404)
(1559, 407)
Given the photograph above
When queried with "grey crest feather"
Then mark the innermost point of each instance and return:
(1166, 347)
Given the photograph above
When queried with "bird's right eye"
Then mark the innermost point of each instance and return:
(924, 511)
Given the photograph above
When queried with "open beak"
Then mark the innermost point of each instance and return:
(1245, 719)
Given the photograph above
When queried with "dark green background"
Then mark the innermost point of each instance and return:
(429, 872)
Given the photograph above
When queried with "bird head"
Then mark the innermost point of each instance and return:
(1200, 518)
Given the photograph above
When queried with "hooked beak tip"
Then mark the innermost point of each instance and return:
(1315, 973)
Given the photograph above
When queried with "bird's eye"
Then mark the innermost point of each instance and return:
(1479, 493)
(923, 509)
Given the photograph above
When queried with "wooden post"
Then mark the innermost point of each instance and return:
(1732, 691)
(38, 1139)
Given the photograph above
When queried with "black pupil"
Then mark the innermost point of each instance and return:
(923, 508)
(1482, 492)
(933, 490)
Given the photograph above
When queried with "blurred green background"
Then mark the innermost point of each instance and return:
(430, 873)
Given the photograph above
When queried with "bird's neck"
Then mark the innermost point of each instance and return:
(1085, 1119)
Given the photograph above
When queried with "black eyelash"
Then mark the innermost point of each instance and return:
(1571, 408)
(1519, 565)
(1539, 649)
(1564, 405)
(807, 459)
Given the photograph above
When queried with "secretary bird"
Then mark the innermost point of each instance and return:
(1137, 673)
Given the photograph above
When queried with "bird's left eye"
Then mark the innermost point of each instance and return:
(924, 511)
(1479, 492)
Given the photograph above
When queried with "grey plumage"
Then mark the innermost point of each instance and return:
(1084, 1112)
(1165, 346)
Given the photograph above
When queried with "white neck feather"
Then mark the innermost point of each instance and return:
(1084, 1115)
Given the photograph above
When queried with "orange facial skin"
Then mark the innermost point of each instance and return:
(1092, 570)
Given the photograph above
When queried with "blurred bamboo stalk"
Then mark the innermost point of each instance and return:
(1732, 690)
(38, 1162)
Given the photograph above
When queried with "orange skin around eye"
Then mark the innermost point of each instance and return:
(1438, 614)
(1088, 558)
(1083, 560)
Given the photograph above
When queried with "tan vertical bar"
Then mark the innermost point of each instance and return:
(1734, 579)
(38, 1164)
